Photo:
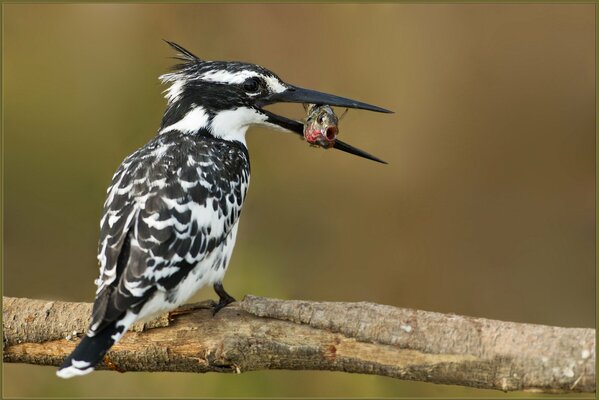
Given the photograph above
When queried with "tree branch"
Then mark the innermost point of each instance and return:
(260, 333)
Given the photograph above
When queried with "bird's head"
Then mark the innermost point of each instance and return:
(223, 98)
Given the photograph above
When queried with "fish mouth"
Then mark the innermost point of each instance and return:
(323, 136)
(331, 133)
(294, 94)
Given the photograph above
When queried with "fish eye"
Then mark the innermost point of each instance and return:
(252, 85)
(320, 119)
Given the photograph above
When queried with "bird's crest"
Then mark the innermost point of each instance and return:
(180, 72)
(184, 54)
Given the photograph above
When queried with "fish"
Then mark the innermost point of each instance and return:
(322, 125)
(321, 128)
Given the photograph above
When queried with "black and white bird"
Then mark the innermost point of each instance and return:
(172, 210)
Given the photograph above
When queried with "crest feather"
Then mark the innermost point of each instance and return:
(184, 54)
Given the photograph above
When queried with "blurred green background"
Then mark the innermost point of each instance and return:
(486, 207)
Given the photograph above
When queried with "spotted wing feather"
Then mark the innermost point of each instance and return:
(170, 205)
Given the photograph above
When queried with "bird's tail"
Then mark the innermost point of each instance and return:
(90, 351)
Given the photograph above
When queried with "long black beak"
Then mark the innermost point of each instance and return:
(296, 94)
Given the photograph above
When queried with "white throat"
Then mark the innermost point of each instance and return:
(228, 125)
(233, 124)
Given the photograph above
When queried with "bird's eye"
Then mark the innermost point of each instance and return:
(252, 85)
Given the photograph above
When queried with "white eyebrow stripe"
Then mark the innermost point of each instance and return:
(222, 76)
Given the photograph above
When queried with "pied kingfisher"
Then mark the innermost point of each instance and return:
(172, 210)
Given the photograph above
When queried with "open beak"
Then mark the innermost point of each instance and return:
(295, 94)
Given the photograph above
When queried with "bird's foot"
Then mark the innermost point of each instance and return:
(224, 298)
(222, 304)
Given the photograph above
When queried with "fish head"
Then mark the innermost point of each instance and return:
(321, 127)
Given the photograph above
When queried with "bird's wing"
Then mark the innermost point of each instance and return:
(117, 229)
(160, 247)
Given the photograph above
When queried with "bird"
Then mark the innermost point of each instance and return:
(171, 214)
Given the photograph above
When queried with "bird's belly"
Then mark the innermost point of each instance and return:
(209, 270)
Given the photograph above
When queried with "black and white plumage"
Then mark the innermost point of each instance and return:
(172, 210)
(170, 222)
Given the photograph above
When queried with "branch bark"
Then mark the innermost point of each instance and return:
(260, 333)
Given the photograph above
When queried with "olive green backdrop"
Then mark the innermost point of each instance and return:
(486, 207)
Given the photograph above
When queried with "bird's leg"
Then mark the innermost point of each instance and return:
(224, 298)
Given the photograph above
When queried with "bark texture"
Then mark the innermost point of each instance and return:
(260, 333)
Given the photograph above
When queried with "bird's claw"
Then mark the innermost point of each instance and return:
(223, 302)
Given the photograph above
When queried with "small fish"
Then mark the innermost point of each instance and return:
(322, 125)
